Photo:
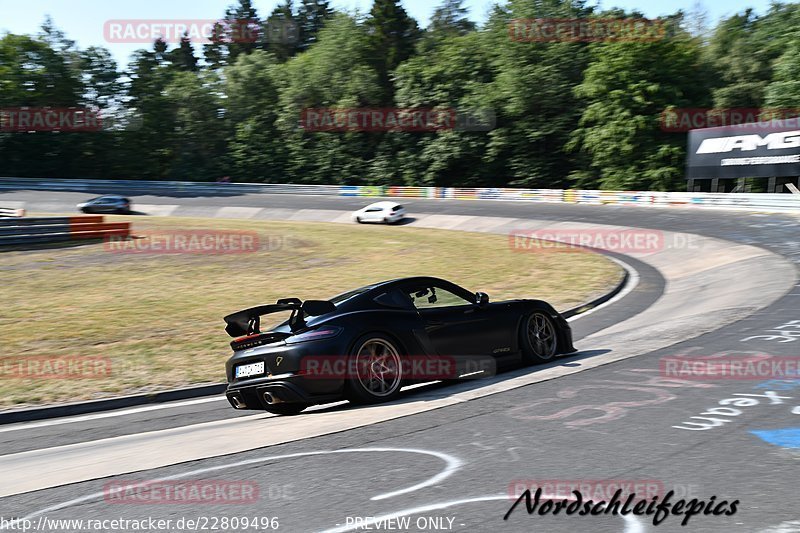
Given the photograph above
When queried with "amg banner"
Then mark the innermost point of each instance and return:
(743, 151)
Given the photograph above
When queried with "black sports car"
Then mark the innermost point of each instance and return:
(365, 344)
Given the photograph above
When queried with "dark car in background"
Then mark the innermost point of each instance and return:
(106, 204)
(371, 341)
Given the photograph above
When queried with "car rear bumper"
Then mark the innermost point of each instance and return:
(290, 389)
(285, 377)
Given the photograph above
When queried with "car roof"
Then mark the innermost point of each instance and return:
(392, 283)
(383, 204)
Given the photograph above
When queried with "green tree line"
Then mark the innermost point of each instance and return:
(565, 114)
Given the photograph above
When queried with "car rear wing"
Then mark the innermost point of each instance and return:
(248, 321)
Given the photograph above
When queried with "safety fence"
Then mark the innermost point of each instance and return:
(36, 230)
(748, 201)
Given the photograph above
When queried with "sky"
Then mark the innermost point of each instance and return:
(84, 20)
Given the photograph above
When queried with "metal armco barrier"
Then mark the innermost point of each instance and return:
(748, 201)
(39, 230)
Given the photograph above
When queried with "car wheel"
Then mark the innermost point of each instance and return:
(286, 409)
(386, 221)
(377, 370)
(539, 339)
(358, 219)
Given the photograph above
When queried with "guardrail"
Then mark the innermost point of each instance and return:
(7, 212)
(749, 201)
(39, 230)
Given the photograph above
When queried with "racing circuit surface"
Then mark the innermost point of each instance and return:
(448, 457)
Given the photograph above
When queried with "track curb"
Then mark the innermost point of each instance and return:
(122, 402)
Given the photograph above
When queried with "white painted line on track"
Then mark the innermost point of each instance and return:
(452, 464)
(109, 414)
(633, 281)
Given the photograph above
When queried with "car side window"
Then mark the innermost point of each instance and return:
(373, 210)
(434, 297)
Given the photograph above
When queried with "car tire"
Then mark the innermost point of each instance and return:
(539, 338)
(286, 409)
(358, 220)
(371, 355)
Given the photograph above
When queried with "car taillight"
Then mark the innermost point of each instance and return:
(325, 332)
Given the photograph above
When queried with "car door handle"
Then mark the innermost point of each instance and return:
(435, 323)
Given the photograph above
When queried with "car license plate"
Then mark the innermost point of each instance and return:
(253, 369)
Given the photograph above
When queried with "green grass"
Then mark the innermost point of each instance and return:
(158, 318)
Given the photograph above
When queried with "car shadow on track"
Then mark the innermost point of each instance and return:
(438, 390)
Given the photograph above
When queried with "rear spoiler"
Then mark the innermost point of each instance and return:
(247, 321)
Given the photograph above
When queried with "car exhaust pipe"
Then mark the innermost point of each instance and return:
(238, 403)
(271, 399)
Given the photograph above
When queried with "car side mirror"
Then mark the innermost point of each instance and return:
(481, 298)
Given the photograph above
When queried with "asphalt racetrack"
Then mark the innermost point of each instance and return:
(453, 457)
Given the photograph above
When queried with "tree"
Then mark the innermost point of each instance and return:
(742, 70)
(256, 148)
(455, 76)
(244, 29)
(784, 90)
(625, 89)
(334, 73)
(392, 36)
(311, 17)
(39, 73)
(199, 137)
(281, 32)
(238, 33)
(532, 96)
(451, 19)
(149, 149)
(183, 57)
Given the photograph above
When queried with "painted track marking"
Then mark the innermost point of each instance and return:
(452, 464)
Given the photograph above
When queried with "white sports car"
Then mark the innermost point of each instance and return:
(386, 212)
